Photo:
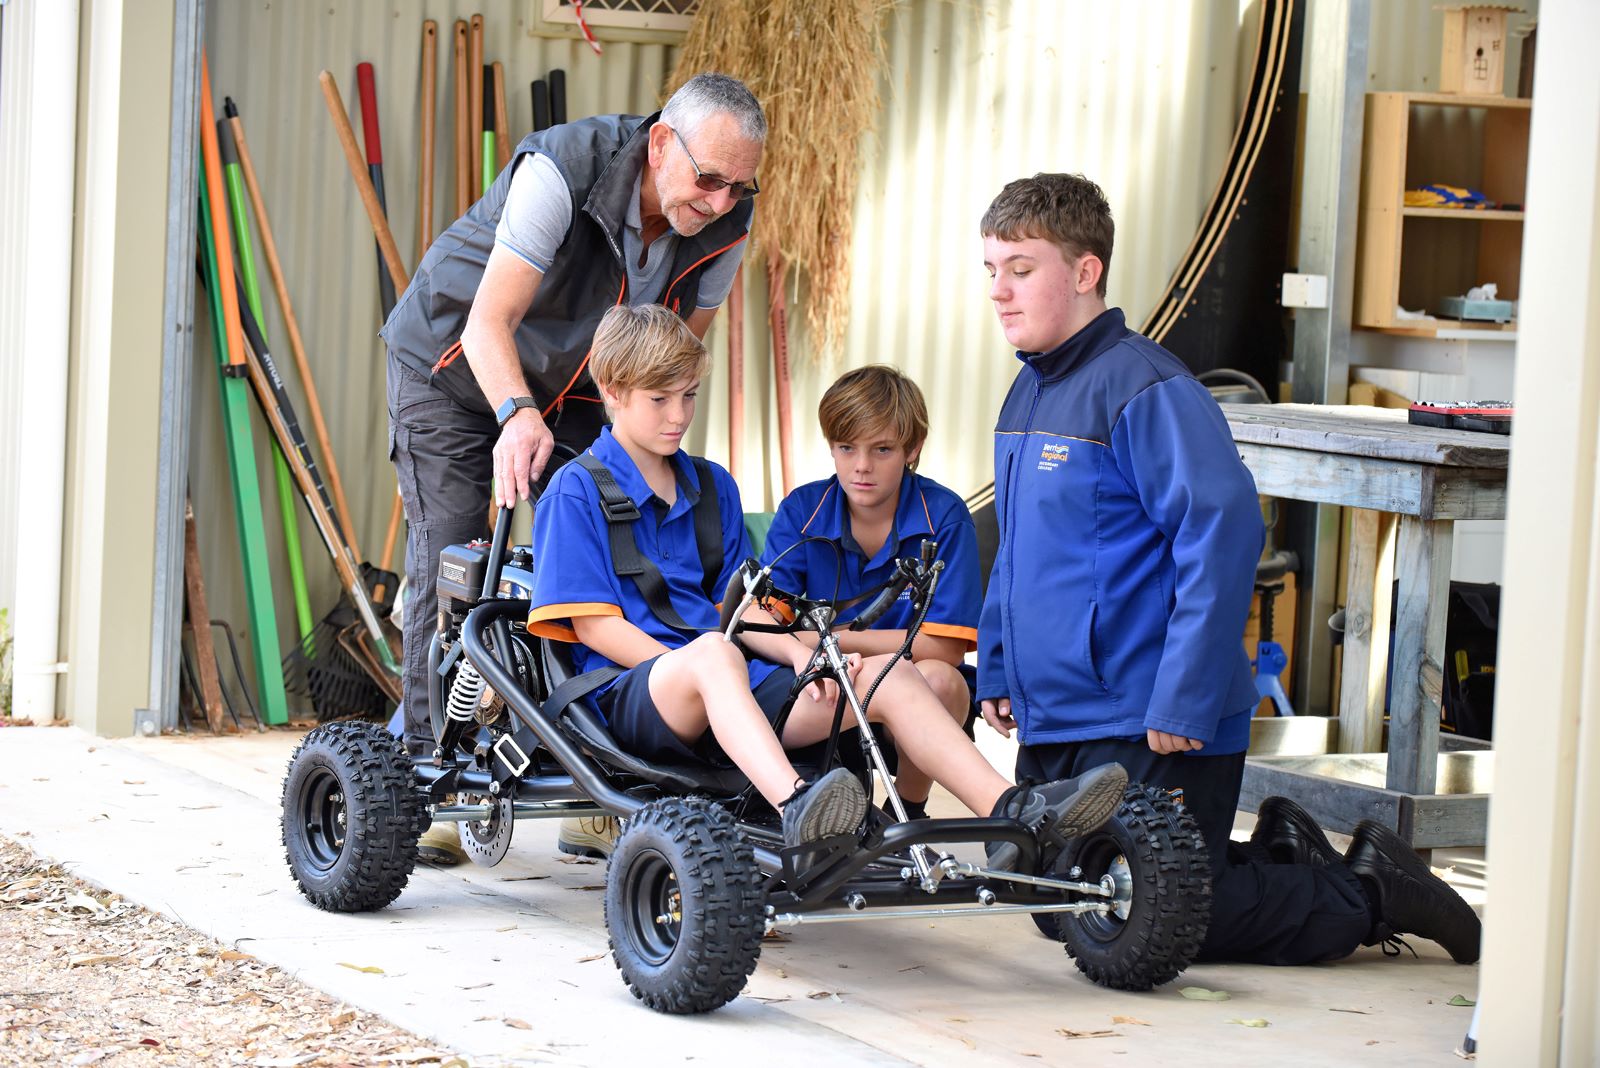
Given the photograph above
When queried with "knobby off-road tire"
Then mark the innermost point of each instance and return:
(1153, 848)
(351, 817)
(684, 906)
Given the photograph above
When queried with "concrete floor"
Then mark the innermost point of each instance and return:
(190, 827)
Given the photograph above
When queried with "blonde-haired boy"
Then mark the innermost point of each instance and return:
(839, 537)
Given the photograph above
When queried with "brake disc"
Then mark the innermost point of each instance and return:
(487, 840)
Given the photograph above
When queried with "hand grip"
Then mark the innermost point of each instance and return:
(502, 526)
(884, 601)
(736, 598)
(366, 87)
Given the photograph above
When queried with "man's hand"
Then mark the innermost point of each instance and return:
(520, 456)
(997, 714)
(1167, 744)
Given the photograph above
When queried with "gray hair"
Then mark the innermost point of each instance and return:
(707, 94)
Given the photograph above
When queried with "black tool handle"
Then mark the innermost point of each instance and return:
(558, 97)
(541, 105)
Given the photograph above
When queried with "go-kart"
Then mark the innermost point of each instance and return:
(700, 872)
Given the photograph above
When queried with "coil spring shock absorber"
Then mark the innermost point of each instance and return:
(465, 693)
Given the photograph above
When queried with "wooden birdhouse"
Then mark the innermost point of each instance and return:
(1474, 58)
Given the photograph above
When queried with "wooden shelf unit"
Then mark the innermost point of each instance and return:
(1411, 257)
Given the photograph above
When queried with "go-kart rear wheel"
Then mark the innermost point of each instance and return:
(1156, 857)
(684, 906)
(351, 817)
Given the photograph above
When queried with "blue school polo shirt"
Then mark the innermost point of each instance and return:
(572, 570)
(925, 510)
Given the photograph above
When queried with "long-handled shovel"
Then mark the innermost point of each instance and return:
(297, 348)
(367, 89)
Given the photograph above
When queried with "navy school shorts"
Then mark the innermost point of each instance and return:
(638, 727)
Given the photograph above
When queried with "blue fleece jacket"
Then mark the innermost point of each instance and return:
(1129, 534)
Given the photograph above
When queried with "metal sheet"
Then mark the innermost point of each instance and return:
(1141, 97)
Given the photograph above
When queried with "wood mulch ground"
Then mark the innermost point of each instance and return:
(88, 978)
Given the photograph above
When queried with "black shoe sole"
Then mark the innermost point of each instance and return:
(834, 808)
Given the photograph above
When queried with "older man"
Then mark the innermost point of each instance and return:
(488, 346)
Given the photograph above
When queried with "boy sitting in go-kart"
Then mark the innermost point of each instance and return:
(839, 538)
(682, 691)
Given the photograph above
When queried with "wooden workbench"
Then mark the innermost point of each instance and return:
(1410, 485)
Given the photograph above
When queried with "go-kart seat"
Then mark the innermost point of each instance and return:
(586, 728)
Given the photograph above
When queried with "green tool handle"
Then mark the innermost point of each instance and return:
(233, 175)
(489, 168)
(246, 492)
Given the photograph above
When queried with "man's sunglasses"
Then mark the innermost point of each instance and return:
(710, 182)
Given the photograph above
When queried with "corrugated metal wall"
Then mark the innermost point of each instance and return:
(1141, 96)
(266, 55)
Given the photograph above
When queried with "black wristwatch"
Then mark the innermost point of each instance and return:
(509, 407)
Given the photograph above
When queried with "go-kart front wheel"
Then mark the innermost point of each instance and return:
(684, 906)
(351, 817)
(1156, 857)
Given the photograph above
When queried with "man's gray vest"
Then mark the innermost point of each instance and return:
(599, 157)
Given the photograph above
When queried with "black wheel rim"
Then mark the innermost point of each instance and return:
(654, 917)
(322, 819)
(1096, 857)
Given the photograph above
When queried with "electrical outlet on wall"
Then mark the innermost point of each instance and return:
(1305, 291)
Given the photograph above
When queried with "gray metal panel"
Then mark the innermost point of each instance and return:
(177, 360)
(1336, 51)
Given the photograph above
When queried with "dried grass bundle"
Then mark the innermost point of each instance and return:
(814, 65)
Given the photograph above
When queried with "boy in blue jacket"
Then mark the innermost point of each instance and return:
(838, 538)
(633, 596)
(1112, 628)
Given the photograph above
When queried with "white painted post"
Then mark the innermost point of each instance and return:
(39, 104)
(1539, 987)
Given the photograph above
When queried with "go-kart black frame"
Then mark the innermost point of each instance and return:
(1147, 897)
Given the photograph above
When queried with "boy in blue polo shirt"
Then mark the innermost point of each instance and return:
(680, 685)
(1114, 620)
(839, 538)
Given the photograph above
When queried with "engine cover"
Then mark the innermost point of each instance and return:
(461, 572)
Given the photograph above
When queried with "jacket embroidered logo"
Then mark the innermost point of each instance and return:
(1053, 456)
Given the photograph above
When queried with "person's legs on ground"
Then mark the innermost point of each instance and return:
(443, 462)
(1261, 912)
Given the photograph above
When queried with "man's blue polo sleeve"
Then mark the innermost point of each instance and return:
(1173, 446)
(572, 574)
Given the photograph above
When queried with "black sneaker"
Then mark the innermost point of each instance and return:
(1409, 898)
(1290, 836)
(1065, 808)
(833, 804)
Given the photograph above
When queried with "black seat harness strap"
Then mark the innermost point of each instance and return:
(628, 562)
(515, 750)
